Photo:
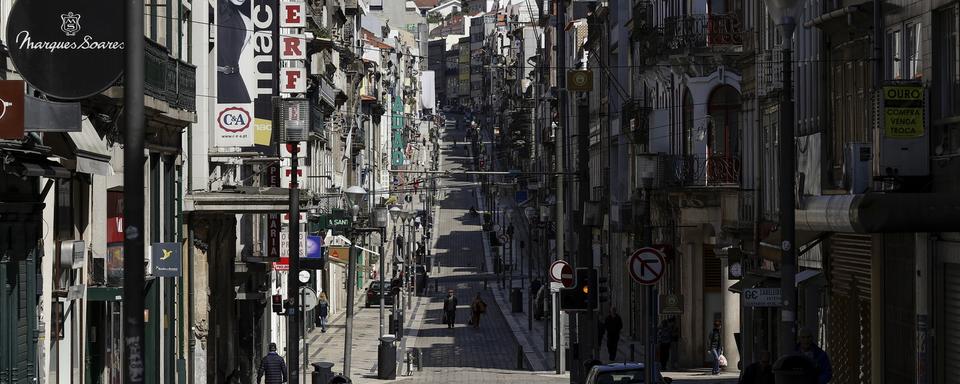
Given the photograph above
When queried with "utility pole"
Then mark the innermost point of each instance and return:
(293, 283)
(788, 263)
(351, 292)
(133, 274)
(561, 124)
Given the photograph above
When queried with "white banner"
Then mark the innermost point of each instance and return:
(236, 83)
(285, 243)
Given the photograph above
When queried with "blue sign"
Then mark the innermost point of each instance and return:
(314, 247)
(520, 196)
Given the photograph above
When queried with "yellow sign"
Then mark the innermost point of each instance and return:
(903, 111)
(580, 80)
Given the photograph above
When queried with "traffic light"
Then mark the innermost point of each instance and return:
(277, 301)
(578, 297)
(603, 290)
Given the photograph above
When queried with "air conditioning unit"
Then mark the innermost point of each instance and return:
(857, 158)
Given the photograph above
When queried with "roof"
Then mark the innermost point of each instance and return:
(454, 26)
(426, 3)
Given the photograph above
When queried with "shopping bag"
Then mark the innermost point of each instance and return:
(722, 360)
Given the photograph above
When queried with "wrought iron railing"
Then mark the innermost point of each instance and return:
(169, 79)
(702, 31)
(689, 171)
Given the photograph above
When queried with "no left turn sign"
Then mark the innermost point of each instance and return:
(646, 265)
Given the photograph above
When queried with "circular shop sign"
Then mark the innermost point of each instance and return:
(67, 49)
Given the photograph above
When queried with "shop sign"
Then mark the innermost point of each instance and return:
(11, 109)
(166, 259)
(903, 111)
(762, 297)
(67, 49)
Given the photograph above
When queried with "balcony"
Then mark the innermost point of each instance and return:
(769, 75)
(698, 32)
(698, 171)
(169, 84)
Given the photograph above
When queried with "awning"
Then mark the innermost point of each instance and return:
(92, 152)
(880, 213)
(770, 245)
(31, 165)
(240, 200)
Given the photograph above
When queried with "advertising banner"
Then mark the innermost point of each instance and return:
(266, 48)
(166, 259)
(236, 82)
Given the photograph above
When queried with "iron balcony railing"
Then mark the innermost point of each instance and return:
(693, 171)
(702, 31)
(169, 79)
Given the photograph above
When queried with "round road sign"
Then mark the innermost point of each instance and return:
(646, 265)
(562, 272)
(308, 298)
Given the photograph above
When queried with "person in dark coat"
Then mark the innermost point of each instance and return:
(613, 324)
(273, 367)
(233, 34)
(760, 372)
(716, 346)
(810, 349)
(450, 309)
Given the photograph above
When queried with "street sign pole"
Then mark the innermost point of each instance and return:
(293, 283)
(651, 330)
(646, 266)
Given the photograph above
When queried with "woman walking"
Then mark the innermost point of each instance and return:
(323, 310)
(478, 307)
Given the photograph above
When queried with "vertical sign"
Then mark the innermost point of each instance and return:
(293, 75)
(396, 156)
(273, 219)
(266, 49)
(235, 79)
(903, 111)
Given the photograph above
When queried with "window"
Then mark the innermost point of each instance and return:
(904, 52)
(944, 108)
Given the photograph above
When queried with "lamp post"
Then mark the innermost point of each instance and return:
(783, 13)
(395, 213)
(354, 195)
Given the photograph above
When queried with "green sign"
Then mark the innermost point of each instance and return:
(338, 221)
(903, 111)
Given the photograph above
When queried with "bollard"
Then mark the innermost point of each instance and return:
(484, 284)
(419, 355)
(519, 356)
(632, 352)
(322, 373)
(436, 285)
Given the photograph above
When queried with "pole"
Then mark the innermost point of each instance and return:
(586, 330)
(561, 124)
(383, 287)
(303, 324)
(788, 266)
(293, 293)
(650, 333)
(133, 242)
(351, 291)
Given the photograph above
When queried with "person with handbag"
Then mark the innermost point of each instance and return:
(450, 309)
(716, 347)
(479, 307)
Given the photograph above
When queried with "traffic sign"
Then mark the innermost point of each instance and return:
(561, 272)
(646, 265)
(308, 298)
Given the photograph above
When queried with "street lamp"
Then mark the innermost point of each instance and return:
(354, 195)
(784, 14)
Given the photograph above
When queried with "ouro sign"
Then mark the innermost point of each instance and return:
(67, 49)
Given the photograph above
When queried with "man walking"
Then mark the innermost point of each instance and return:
(478, 307)
(716, 346)
(820, 358)
(613, 324)
(450, 309)
(273, 367)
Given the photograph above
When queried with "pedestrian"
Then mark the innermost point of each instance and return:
(478, 307)
(716, 346)
(323, 310)
(760, 372)
(540, 310)
(450, 309)
(613, 324)
(820, 358)
(664, 339)
(273, 367)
